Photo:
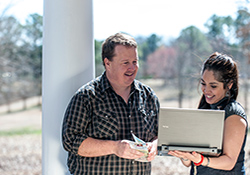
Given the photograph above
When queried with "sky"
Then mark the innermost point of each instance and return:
(141, 17)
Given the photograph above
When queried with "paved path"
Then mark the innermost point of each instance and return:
(30, 118)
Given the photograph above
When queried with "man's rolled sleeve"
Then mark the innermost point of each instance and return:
(74, 124)
(72, 142)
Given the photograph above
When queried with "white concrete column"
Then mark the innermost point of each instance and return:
(68, 63)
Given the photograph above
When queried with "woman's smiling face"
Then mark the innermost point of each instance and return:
(212, 89)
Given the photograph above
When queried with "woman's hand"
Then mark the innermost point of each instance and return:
(186, 157)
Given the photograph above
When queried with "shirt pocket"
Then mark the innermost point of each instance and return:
(149, 120)
(105, 125)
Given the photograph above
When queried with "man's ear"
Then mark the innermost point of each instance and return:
(106, 63)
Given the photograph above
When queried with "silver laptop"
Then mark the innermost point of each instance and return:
(190, 130)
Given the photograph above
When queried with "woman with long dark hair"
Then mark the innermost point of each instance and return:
(219, 85)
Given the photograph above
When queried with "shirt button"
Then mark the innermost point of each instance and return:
(131, 131)
(133, 162)
(129, 116)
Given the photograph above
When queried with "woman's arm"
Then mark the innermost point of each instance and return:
(234, 133)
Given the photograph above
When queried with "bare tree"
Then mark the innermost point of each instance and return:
(243, 34)
(191, 42)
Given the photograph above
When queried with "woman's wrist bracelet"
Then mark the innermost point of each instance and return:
(199, 163)
(208, 161)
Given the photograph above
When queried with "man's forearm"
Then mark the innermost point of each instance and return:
(94, 147)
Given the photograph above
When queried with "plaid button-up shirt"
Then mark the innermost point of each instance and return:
(97, 111)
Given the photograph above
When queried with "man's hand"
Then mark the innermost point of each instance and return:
(152, 149)
(124, 150)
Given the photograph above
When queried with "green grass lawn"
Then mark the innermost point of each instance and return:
(23, 131)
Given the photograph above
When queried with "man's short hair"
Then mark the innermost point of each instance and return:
(108, 46)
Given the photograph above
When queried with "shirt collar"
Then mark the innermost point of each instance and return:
(104, 82)
(105, 85)
(136, 86)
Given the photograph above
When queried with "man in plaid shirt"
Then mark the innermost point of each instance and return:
(103, 113)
